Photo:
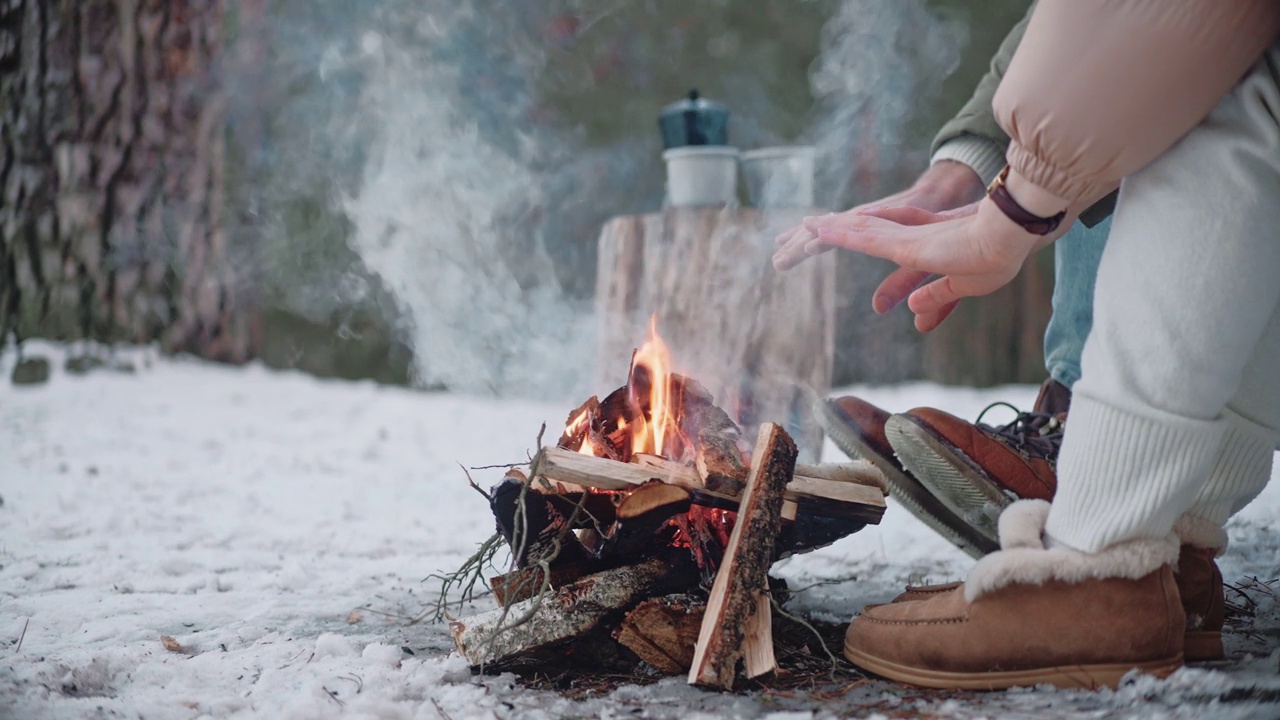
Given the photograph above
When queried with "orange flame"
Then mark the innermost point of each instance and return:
(577, 425)
(653, 427)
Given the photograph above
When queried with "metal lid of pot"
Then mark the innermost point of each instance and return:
(694, 121)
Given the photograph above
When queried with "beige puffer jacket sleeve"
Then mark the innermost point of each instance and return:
(1099, 88)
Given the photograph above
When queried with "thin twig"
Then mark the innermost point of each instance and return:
(499, 466)
(473, 484)
(835, 664)
(467, 577)
(440, 710)
(22, 637)
(333, 696)
(821, 583)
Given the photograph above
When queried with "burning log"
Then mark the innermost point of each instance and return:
(649, 492)
(568, 611)
(741, 586)
(714, 437)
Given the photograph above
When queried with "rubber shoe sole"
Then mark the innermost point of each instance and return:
(1082, 677)
(949, 475)
(904, 489)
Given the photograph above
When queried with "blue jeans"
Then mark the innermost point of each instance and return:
(1075, 259)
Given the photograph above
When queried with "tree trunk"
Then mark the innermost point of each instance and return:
(111, 128)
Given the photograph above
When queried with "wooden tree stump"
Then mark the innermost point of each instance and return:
(762, 342)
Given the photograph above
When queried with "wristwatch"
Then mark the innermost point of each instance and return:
(1033, 224)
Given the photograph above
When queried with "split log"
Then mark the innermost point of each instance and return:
(743, 573)
(858, 472)
(808, 496)
(578, 424)
(568, 611)
(653, 498)
(663, 631)
(757, 641)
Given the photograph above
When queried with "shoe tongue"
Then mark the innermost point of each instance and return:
(1054, 398)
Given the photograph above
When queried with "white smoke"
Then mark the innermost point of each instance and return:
(458, 194)
(440, 216)
(879, 63)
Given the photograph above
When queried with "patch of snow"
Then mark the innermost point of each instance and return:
(280, 528)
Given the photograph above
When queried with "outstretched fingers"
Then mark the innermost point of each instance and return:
(895, 288)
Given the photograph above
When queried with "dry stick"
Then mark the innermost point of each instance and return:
(22, 637)
(835, 663)
(519, 539)
(440, 710)
(472, 571)
(473, 484)
(466, 577)
(742, 574)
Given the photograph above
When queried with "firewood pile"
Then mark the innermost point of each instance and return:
(654, 522)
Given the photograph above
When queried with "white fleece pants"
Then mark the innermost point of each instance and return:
(1176, 415)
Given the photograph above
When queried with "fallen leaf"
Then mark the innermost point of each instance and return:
(353, 618)
(170, 644)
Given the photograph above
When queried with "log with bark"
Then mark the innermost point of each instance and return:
(568, 611)
(738, 607)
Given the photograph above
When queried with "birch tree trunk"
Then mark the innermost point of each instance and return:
(111, 178)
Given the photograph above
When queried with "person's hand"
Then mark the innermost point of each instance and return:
(976, 248)
(945, 185)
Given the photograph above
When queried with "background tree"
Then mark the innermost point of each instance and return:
(112, 176)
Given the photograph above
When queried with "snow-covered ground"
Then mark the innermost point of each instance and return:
(259, 518)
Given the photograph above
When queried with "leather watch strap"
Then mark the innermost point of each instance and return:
(1033, 224)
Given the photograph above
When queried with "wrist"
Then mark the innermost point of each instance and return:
(950, 184)
(1033, 198)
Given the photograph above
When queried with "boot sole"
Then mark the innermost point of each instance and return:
(1203, 646)
(1082, 677)
(903, 488)
(949, 475)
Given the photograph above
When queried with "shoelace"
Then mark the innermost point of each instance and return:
(1034, 432)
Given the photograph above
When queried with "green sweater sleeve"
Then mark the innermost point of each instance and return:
(974, 137)
(976, 117)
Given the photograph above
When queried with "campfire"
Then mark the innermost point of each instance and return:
(655, 520)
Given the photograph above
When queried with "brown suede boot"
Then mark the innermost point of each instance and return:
(1029, 615)
(1200, 589)
(1203, 600)
(976, 470)
(858, 428)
